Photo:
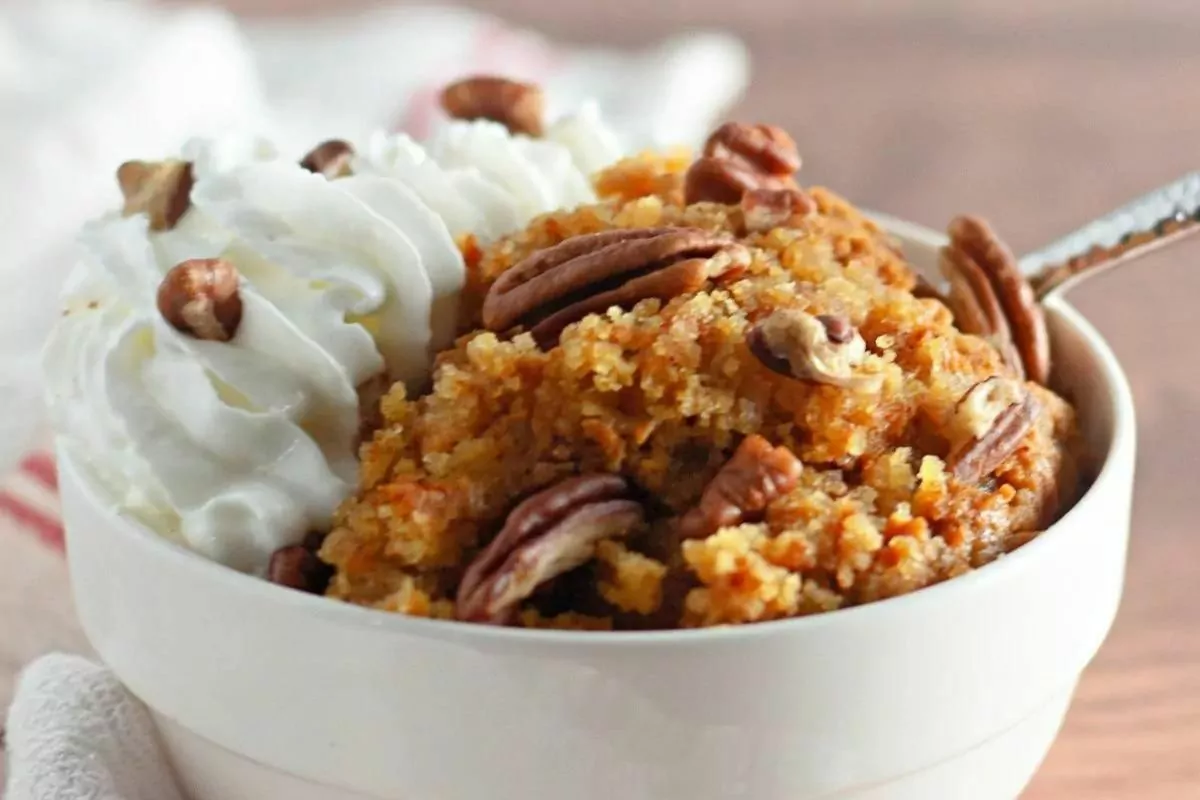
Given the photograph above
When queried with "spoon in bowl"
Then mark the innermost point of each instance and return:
(1154, 220)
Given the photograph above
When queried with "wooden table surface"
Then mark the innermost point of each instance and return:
(1037, 114)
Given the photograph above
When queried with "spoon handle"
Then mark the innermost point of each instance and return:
(1153, 220)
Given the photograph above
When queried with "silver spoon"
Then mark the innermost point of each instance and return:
(1153, 220)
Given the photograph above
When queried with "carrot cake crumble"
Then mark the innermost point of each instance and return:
(714, 397)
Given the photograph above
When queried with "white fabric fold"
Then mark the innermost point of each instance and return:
(75, 732)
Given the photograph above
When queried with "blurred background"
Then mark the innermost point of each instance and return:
(1038, 114)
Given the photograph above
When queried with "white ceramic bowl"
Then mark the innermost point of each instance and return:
(949, 693)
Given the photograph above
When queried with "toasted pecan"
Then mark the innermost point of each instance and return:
(545, 536)
(750, 481)
(201, 297)
(972, 241)
(990, 420)
(739, 158)
(765, 209)
(767, 149)
(330, 158)
(515, 105)
(159, 189)
(823, 349)
(977, 309)
(587, 274)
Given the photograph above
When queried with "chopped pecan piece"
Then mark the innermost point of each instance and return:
(298, 567)
(822, 349)
(547, 535)
(200, 297)
(587, 274)
(767, 209)
(161, 190)
(331, 159)
(991, 297)
(517, 106)
(739, 158)
(750, 481)
(989, 423)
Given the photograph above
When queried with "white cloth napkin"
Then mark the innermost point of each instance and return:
(85, 84)
(75, 732)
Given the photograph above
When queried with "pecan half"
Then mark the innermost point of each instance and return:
(587, 274)
(517, 106)
(991, 297)
(750, 481)
(160, 189)
(822, 349)
(989, 423)
(739, 158)
(766, 209)
(547, 535)
(298, 567)
(331, 159)
(767, 149)
(200, 297)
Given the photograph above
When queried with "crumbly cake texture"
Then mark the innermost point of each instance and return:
(663, 393)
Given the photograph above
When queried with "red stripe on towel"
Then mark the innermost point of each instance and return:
(41, 524)
(40, 466)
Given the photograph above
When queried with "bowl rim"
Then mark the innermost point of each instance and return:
(322, 609)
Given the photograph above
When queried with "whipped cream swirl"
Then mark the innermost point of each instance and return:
(237, 448)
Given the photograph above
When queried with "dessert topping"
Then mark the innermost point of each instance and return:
(989, 422)
(330, 158)
(766, 149)
(767, 209)
(739, 158)
(200, 297)
(297, 566)
(517, 106)
(159, 189)
(755, 476)
(555, 287)
(990, 297)
(822, 349)
(546, 535)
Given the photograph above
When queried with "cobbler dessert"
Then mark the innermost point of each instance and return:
(519, 376)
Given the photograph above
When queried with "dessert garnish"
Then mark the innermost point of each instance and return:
(520, 107)
(766, 209)
(158, 189)
(825, 348)
(989, 423)
(588, 274)
(738, 158)
(200, 297)
(330, 158)
(547, 535)
(991, 298)
(756, 475)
